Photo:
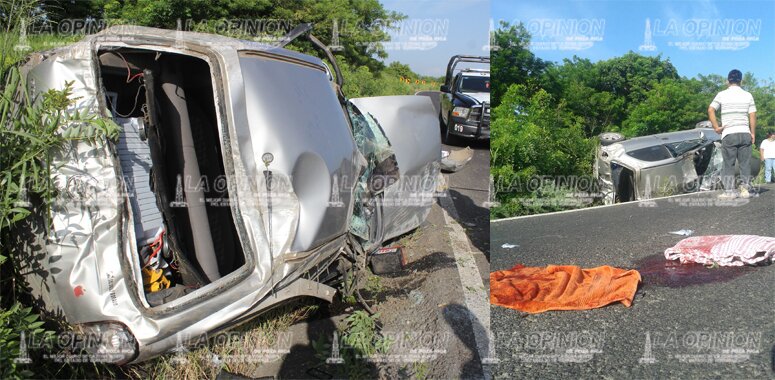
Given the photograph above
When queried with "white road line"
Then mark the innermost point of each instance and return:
(475, 291)
(603, 206)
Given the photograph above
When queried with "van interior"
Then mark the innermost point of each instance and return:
(172, 166)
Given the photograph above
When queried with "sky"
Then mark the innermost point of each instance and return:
(697, 36)
(435, 30)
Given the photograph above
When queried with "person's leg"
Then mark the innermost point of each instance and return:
(728, 153)
(769, 164)
(744, 158)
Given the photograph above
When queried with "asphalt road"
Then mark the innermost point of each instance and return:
(469, 190)
(688, 313)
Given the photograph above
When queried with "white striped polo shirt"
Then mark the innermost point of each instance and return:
(735, 104)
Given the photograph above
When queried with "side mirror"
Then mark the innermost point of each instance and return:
(444, 88)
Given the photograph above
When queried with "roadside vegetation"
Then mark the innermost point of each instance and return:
(259, 339)
(396, 79)
(32, 128)
(548, 116)
(362, 338)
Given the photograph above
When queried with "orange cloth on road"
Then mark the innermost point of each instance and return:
(562, 287)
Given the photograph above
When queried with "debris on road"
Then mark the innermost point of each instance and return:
(723, 250)
(416, 296)
(509, 246)
(683, 232)
(452, 161)
(562, 287)
(388, 260)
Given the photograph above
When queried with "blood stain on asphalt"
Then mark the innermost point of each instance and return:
(655, 270)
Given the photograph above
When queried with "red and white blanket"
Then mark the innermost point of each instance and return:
(723, 250)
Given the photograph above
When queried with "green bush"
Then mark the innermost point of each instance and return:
(531, 137)
(396, 79)
(31, 129)
(13, 321)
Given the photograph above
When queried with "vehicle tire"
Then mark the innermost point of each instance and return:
(608, 138)
(448, 138)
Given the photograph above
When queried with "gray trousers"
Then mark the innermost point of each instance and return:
(736, 146)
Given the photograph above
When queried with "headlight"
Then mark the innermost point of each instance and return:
(108, 342)
(461, 112)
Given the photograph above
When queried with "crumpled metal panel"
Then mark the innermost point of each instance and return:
(412, 126)
(294, 114)
(82, 275)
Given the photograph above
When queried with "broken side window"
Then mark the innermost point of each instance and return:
(381, 170)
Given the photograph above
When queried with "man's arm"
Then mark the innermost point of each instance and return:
(712, 118)
(761, 153)
(752, 122)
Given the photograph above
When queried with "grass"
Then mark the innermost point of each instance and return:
(361, 339)
(374, 285)
(207, 361)
(358, 341)
(420, 370)
(409, 239)
(204, 361)
(17, 50)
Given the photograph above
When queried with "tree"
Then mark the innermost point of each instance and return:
(672, 105)
(764, 96)
(399, 69)
(633, 75)
(578, 82)
(535, 135)
(512, 62)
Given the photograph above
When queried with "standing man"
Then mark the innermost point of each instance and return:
(738, 127)
(767, 154)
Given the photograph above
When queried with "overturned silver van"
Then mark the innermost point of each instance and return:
(662, 164)
(242, 178)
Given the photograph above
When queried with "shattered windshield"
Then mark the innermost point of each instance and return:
(681, 147)
(652, 153)
(474, 84)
